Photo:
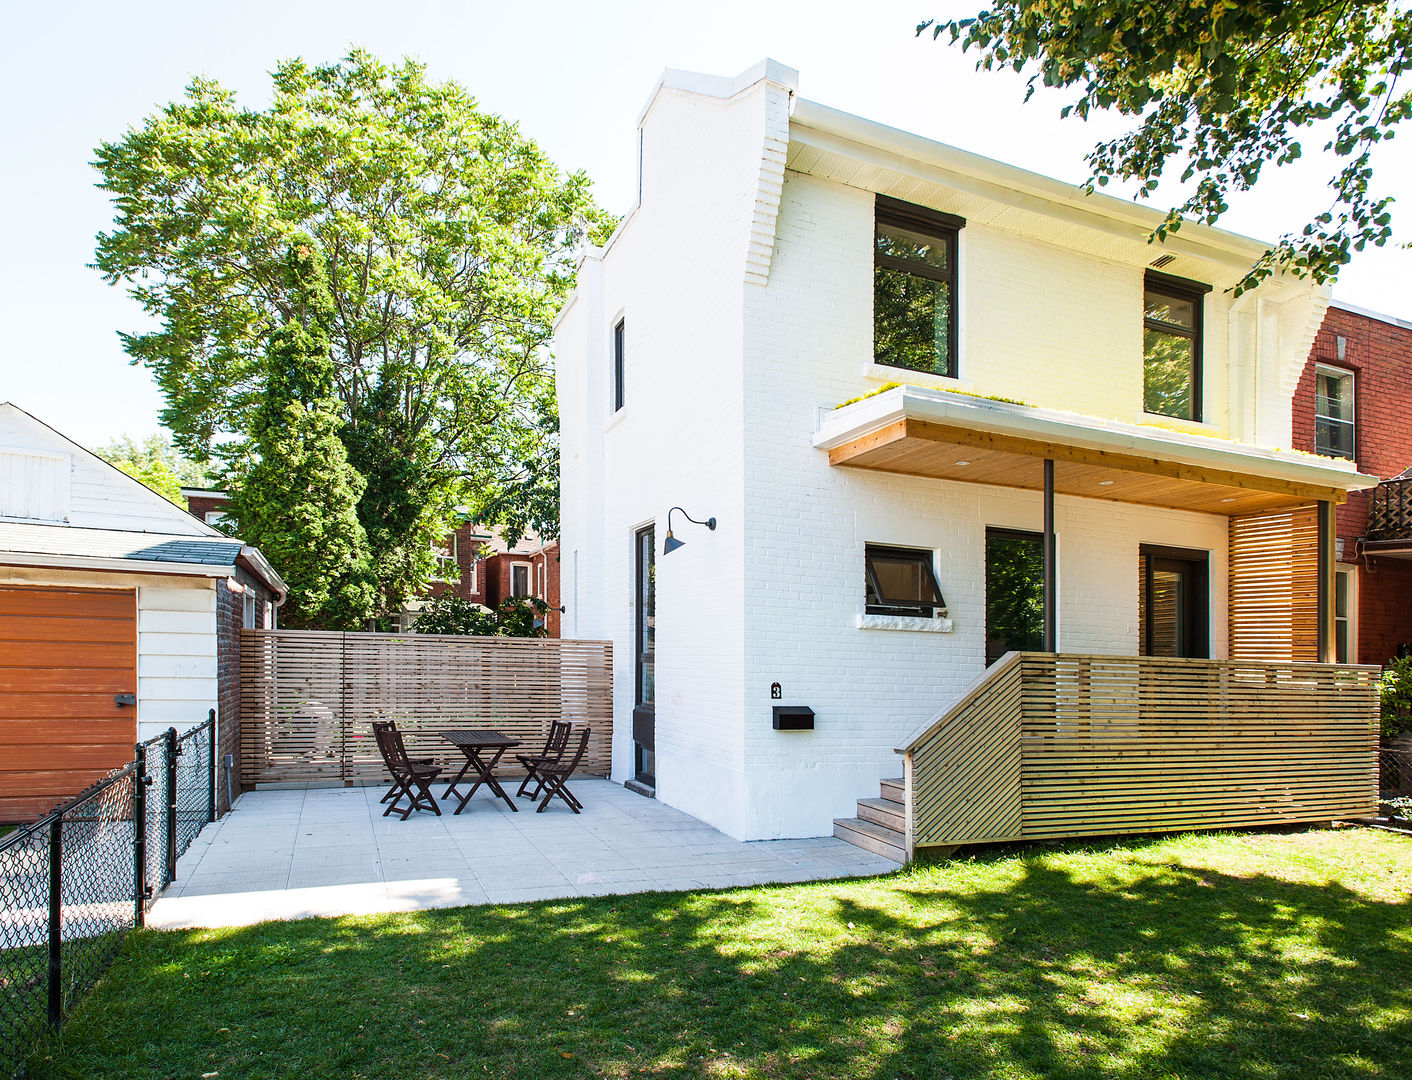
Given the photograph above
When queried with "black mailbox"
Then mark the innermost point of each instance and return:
(794, 718)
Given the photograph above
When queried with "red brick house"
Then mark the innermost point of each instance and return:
(490, 570)
(1354, 400)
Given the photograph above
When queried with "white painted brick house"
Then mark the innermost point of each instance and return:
(701, 362)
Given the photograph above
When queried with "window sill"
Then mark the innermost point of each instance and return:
(614, 419)
(1177, 423)
(881, 373)
(904, 622)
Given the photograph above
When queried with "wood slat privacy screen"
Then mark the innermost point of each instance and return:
(308, 698)
(1110, 745)
(1274, 586)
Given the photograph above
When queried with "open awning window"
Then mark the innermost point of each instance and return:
(901, 581)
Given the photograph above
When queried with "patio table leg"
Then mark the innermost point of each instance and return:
(451, 787)
(486, 776)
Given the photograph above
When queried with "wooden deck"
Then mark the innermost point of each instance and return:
(1055, 745)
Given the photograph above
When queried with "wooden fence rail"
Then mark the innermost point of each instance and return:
(308, 698)
(1101, 745)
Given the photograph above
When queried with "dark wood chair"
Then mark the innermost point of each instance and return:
(552, 754)
(406, 773)
(554, 778)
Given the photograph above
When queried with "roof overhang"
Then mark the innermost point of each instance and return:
(949, 436)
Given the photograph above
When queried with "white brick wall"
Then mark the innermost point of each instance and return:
(735, 344)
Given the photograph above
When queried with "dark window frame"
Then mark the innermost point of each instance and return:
(1198, 646)
(619, 362)
(1322, 368)
(1003, 532)
(923, 557)
(1179, 289)
(942, 226)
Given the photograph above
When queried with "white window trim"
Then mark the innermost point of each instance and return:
(529, 578)
(452, 553)
(1352, 617)
(247, 609)
(1352, 376)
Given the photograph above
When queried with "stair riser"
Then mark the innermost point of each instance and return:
(888, 819)
(894, 790)
(869, 843)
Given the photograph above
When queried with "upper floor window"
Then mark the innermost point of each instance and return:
(914, 287)
(1171, 346)
(619, 332)
(901, 581)
(1333, 411)
(447, 565)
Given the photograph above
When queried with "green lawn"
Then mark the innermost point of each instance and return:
(1237, 955)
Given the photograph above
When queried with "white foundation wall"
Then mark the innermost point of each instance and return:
(809, 346)
(176, 640)
(675, 273)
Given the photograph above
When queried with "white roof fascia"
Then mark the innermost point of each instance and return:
(261, 565)
(1073, 429)
(1368, 313)
(832, 129)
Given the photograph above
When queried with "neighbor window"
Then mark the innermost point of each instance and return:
(914, 287)
(519, 579)
(1345, 644)
(901, 581)
(1333, 412)
(1171, 346)
(619, 333)
(447, 568)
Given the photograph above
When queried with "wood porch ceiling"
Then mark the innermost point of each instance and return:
(920, 448)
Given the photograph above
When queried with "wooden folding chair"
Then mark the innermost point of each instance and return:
(406, 773)
(552, 754)
(555, 777)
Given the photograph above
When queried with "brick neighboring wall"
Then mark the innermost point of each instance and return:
(1379, 353)
(485, 579)
(230, 617)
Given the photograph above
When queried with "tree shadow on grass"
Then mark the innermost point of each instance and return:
(1019, 969)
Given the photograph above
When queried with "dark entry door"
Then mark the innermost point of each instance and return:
(1014, 593)
(644, 713)
(1174, 609)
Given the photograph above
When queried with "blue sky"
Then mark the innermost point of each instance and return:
(574, 76)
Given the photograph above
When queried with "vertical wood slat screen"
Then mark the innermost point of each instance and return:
(1121, 745)
(308, 698)
(1274, 586)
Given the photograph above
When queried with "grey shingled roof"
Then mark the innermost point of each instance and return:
(70, 542)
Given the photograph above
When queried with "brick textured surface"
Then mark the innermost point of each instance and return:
(1379, 353)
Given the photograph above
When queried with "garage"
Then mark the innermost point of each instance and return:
(66, 656)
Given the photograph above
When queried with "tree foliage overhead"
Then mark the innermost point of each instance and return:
(447, 239)
(297, 496)
(1221, 87)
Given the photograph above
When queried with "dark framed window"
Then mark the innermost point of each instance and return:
(1333, 412)
(901, 581)
(619, 332)
(914, 287)
(1173, 602)
(1014, 592)
(1171, 346)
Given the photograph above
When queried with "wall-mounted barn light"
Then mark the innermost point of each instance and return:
(672, 543)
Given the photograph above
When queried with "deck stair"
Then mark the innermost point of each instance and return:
(880, 825)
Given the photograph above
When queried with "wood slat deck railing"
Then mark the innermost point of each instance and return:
(1390, 513)
(308, 698)
(1049, 746)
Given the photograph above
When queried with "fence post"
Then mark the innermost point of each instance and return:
(211, 791)
(56, 917)
(171, 741)
(139, 836)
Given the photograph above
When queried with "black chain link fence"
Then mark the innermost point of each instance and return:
(75, 881)
(1394, 773)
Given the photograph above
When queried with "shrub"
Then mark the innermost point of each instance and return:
(516, 616)
(1395, 689)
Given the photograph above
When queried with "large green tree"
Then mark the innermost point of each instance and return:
(447, 239)
(1220, 88)
(297, 496)
(157, 463)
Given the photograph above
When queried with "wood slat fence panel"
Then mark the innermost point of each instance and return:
(1274, 586)
(308, 698)
(1112, 745)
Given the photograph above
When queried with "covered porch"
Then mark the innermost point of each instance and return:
(1240, 721)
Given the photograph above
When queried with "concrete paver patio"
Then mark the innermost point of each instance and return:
(329, 851)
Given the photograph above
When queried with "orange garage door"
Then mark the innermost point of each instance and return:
(64, 654)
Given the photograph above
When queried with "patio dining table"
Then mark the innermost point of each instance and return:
(483, 750)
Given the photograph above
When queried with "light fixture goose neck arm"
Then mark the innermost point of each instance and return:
(671, 543)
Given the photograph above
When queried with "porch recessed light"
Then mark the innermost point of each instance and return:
(963, 463)
(1105, 483)
(1228, 500)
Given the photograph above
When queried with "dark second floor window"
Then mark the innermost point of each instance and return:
(1171, 346)
(619, 358)
(914, 287)
(901, 581)
(1333, 412)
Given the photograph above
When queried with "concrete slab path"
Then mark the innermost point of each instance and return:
(329, 851)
